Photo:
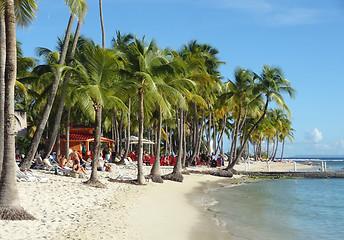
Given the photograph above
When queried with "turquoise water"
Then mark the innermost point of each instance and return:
(281, 209)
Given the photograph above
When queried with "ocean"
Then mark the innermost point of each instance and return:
(278, 209)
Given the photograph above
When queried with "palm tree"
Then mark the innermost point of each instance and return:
(102, 22)
(271, 84)
(10, 208)
(77, 7)
(168, 87)
(146, 63)
(2, 86)
(58, 115)
(24, 14)
(97, 85)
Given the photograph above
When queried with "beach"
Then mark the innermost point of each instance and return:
(67, 209)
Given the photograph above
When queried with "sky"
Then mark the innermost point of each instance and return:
(305, 38)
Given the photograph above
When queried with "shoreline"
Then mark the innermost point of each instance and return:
(67, 209)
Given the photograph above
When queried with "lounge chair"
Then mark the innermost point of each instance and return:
(62, 171)
(129, 164)
(29, 176)
(123, 176)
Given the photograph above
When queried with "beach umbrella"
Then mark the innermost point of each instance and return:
(135, 140)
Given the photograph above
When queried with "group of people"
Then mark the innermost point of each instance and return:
(77, 164)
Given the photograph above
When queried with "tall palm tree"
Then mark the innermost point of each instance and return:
(10, 208)
(2, 86)
(146, 63)
(24, 14)
(97, 85)
(58, 115)
(102, 22)
(77, 8)
(271, 85)
(168, 87)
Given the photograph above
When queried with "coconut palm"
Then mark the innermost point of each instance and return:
(102, 22)
(170, 87)
(58, 115)
(147, 65)
(97, 85)
(24, 14)
(77, 8)
(271, 85)
(10, 208)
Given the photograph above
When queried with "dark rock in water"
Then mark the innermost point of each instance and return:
(295, 174)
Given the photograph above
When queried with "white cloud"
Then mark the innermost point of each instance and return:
(340, 143)
(259, 6)
(313, 136)
(296, 16)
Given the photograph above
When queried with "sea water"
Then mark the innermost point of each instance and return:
(280, 209)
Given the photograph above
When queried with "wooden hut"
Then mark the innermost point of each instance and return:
(79, 136)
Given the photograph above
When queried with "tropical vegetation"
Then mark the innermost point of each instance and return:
(176, 97)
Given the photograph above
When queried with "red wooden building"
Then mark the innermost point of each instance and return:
(79, 135)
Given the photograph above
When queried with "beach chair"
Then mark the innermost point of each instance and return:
(39, 163)
(28, 176)
(48, 165)
(123, 176)
(129, 164)
(63, 171)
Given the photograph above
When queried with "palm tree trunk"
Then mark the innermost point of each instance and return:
(176, 174)
(67, 132)
(2, 86)
(231, 165)
(282, 151)
(119, 149)
(128, 133)
(274, 156)
(102, 22)
(58, 143)
(60, 107)
(116, 133)
(184, 139)
(45, 116)
(94, 181)
(209, 133)
(140, 176)
(10, 208)
(156, 171)
(222, 132)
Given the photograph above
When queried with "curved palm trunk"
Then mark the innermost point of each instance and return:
(67, 132)
(45, 116)
(282, 151)
(184, 139)
(10, 208)
(221, 135)
(93, 181)
(156, 172)
(102, 22)
(276, 147)
(242, 148)
(2, 86)
(128, 133)
(60, 107)
(115, 133)
(176, 174)
(140, 177)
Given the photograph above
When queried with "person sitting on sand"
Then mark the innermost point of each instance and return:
(103, 165)
(76, 163)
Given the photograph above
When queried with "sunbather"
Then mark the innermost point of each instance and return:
(76, 163)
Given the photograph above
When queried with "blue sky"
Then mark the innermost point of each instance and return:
(303, 37)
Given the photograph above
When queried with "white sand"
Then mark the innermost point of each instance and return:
(67, 209)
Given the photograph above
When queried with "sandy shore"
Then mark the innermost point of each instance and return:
(67, 209)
